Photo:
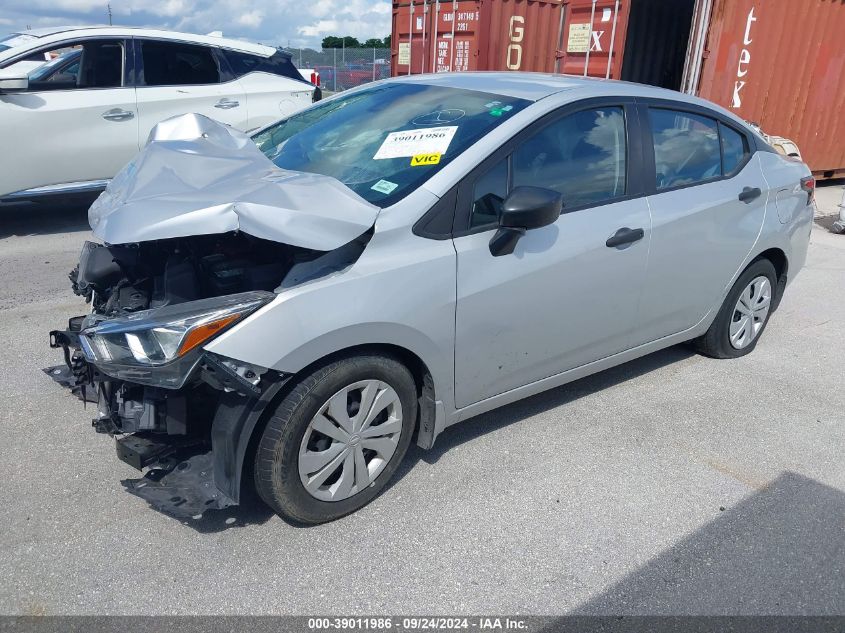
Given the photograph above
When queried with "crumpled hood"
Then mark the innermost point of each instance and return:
(197, 177)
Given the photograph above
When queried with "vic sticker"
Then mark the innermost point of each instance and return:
(421, 160)
(432, 140)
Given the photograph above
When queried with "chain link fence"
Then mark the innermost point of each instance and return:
(344, 68)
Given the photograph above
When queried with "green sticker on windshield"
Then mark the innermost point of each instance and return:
(384, 186)
(499, 111)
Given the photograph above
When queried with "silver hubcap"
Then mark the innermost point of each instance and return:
(350, 440)
(750, 312)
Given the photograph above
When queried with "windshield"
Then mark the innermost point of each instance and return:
(384, 141)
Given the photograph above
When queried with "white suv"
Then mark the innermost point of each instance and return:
(76, 104)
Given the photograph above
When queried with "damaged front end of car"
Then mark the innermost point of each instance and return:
(199, 233)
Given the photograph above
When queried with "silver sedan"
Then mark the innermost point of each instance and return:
(295, 309)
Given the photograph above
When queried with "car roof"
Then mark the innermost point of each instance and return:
(536, 86)
(52, 34)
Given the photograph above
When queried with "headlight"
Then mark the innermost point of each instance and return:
(152, 338)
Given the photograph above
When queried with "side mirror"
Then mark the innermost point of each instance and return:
(13, 82)
(524, 209)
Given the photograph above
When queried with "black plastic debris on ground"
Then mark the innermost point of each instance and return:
(184, 490)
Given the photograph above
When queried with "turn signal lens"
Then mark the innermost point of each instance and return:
(201, 333)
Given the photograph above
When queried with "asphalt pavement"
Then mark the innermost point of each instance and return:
(675, 484)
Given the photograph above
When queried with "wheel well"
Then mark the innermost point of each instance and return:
(778, 259)
(413, 362)
(424, 431)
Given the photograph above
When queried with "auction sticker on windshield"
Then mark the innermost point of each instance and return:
(384, 186)
(433, 140)
(424, 159)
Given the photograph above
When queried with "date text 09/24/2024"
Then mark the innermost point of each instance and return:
(418, 623)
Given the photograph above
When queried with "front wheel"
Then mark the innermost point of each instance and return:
(337, 438)
(743, 315)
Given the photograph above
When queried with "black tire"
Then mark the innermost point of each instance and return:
(276, 467)
(716, 341)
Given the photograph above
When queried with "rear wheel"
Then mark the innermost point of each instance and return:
(337, 438)
(743, 315)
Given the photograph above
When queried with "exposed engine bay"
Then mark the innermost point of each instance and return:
(119, 280)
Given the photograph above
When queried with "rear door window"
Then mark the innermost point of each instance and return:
(686, 148)
(177, 64)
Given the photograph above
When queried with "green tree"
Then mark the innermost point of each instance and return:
(374, 42)
(387, 42)
(351, 42)
(332, 41)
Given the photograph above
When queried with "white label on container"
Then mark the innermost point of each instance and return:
(431, 140)
(605, 14)
(404, 54)
(579, 38)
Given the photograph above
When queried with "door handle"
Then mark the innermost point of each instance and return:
(624, 236)
(749, 194)
(227, 104)
(116, 114)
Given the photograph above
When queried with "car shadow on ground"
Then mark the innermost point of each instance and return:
(29, 218)
(778, 552)
(253, 511)
(826, 221)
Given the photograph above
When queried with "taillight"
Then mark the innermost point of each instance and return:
(808, 184)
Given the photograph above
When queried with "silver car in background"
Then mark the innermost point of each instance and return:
(292, 313)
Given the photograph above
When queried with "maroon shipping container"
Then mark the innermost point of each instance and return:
(779, 63)
(459, 35)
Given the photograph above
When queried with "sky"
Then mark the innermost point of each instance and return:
(276, 22)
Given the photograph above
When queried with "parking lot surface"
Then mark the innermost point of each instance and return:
(675, 484)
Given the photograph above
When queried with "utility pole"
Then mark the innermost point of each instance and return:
(109, 7)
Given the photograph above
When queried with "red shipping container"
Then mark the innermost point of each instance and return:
(460, 35)
(781, 63)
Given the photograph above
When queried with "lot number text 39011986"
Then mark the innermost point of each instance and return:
(417, 623)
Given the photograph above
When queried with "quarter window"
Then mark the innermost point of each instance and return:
(176, 64)
(686, 148)
(582, 156)
(734, 149)
(488, 194)
(277, 64)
